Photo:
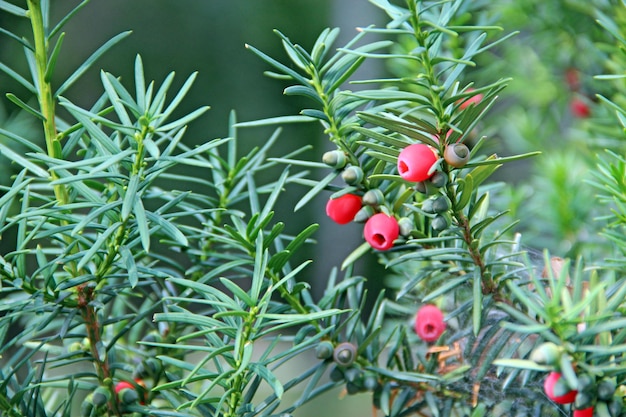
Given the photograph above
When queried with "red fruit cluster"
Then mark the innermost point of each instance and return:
(343, 209)
(415, 162)
(381, 230)
(548, 387)
(429, 323)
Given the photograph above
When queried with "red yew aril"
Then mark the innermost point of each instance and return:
(472, 100)
(122, 385)
(381, 230)
(548, 387)
(415, 162)
(579, 108)
(343, 209)
(429, 323)
(587, 412)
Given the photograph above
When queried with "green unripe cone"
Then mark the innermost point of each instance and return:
(335, 159)
(546, 353)
(586, 384)
(370, 382)
(352, 175)
(101, 396)
(336, 374)
(352, 388)
(441, 204)
(353, 375)
(128, 396)
(439, 223)
(439, 179)
(606, 389)
(427, 206)
(324, 350)
(421, 187)
(583, 400)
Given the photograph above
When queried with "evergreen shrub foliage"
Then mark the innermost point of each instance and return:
(125, 294)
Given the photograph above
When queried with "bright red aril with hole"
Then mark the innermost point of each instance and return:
(381, 230)
(415, 162)
(343, 209)
(429, 323)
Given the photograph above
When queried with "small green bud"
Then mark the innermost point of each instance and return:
(101, 396)
(546, 353)
(352, 175)
(75, 347)
(374, 197)
(86, 344)
(324, 349)
(406, 226)
(144, 121)
(335, 159)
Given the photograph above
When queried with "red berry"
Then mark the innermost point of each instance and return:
(381, 230)
(122, 385)
(343, 209)
(572, 79)
(587, 412)
(579, 108)
(472, 100)
(429, 323)
(548, 387)
(415, 162)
